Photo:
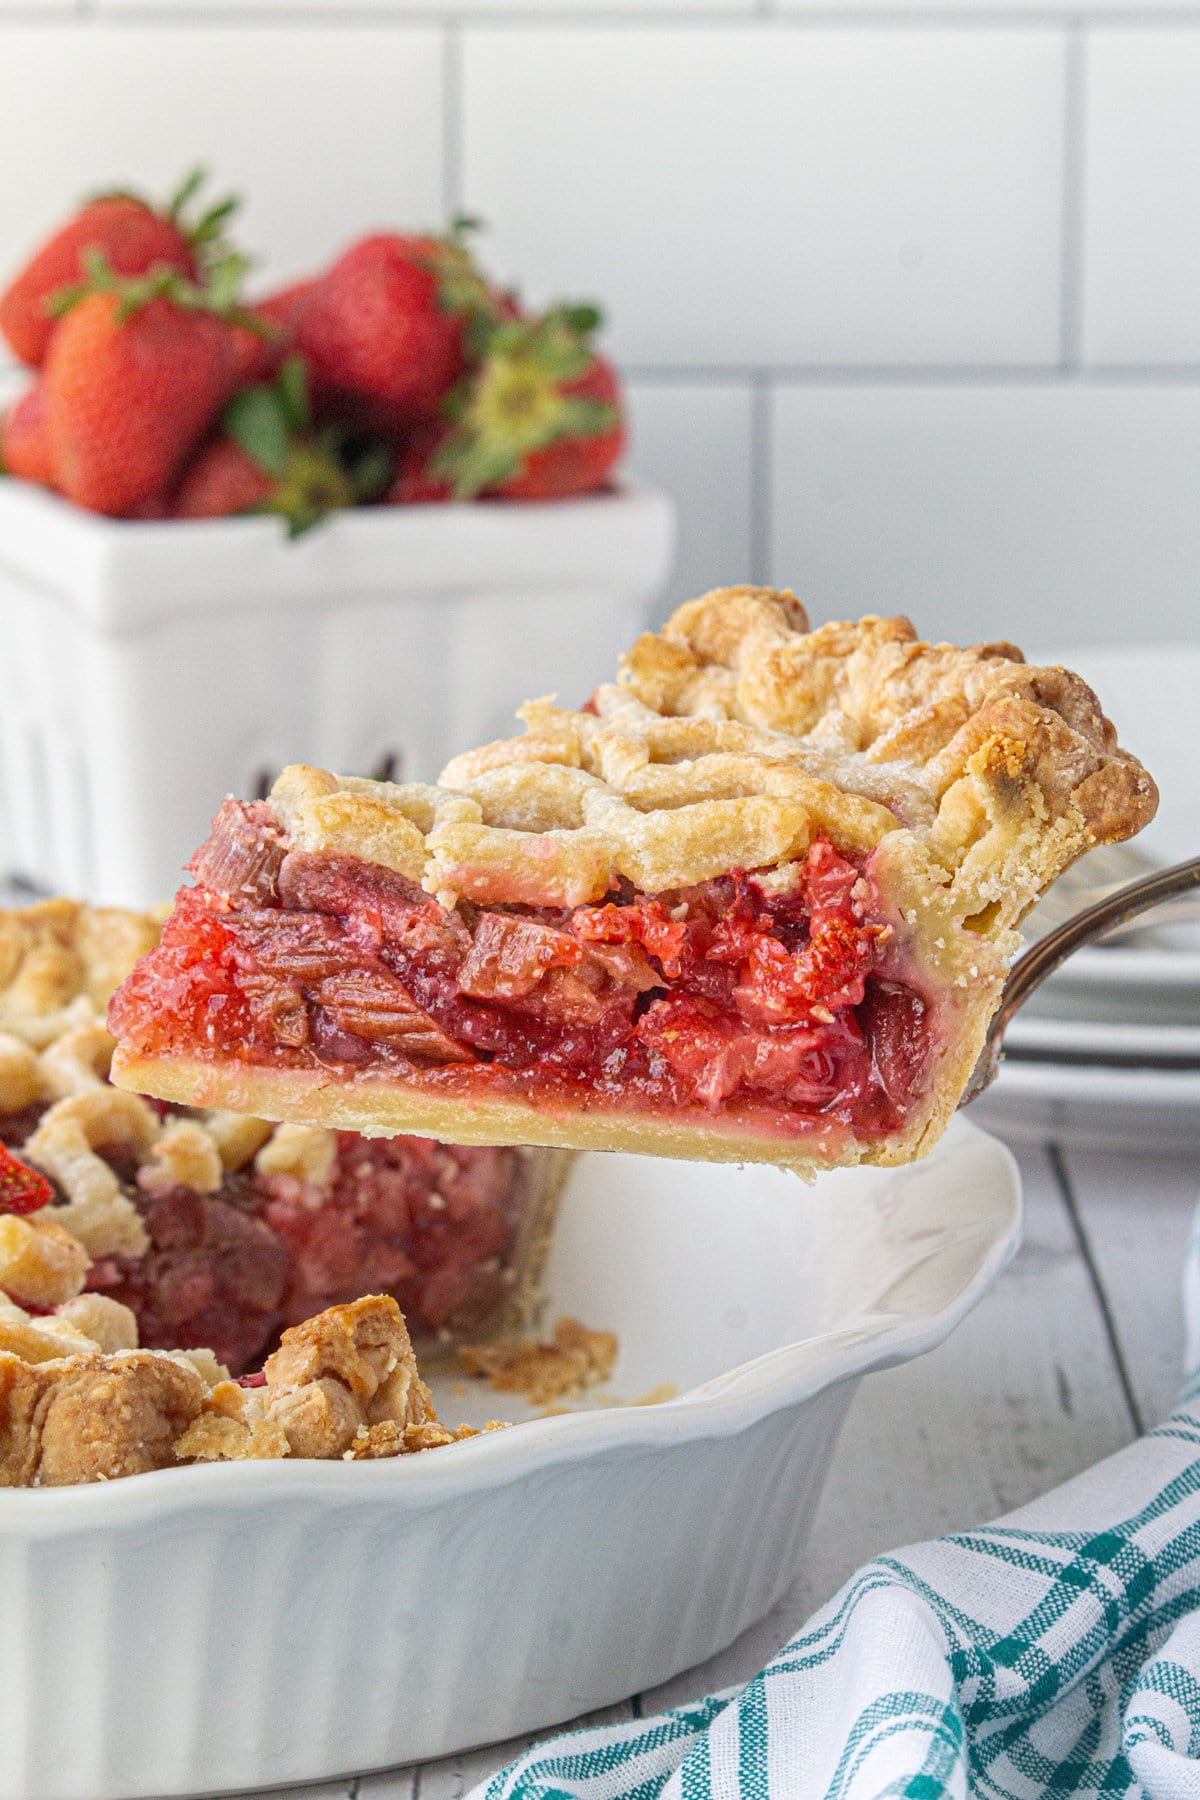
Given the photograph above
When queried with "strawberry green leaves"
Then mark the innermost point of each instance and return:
(519, 400)
(313, 474)
(218, 294)
(206, 232)
(262, 419)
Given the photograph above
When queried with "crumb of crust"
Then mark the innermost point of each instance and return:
(655, 1396)
(40, 1260)
(110, 1325)
(389, 1439)
(574, 1359)
(658, 1395)
(344, 1384)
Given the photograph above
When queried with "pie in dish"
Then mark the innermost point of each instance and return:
(215, 1230)
(343, 1385)
(753, 902)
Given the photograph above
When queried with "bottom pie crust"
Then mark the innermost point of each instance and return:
(371, 1104)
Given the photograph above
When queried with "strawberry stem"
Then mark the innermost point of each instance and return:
(217, 295)
(187, 190)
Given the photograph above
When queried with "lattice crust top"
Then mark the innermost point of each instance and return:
(734, 736)
(60, 961)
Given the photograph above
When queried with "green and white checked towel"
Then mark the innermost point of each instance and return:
(1056, 1652)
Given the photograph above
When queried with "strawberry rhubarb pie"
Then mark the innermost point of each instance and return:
(147, 1253)
(755, 901)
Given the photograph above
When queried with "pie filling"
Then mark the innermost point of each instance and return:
(776, 999)
(440, 1227)
(433, 1225)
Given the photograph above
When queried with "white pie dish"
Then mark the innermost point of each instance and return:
(227, 1627)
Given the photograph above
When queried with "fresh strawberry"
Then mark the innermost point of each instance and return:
(130, 234)
(268, 459)
(392, 321)
(22, 1189)
(137, 373)
(220, 481)
(154, 506)
(258, 353)
(24, 443)
(285, 309)
(539, 418)
(414, 485)
(581, 460)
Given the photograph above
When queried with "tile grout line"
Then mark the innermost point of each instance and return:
(753, 13)
(1066, 1186)
(1185, 375)
(1048, 375)
(1073, 199)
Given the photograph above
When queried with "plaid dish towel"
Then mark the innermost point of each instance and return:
(1056, 1652)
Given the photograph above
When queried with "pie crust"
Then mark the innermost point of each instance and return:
(734, 747)
(343, 1384)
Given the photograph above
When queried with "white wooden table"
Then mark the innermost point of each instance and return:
(1070, 1356)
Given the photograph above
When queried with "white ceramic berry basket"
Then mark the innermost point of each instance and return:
(150, 668)
(215, 1629)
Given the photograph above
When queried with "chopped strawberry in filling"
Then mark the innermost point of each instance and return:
(646, 923)
(745, 993)
(433, 1224)
(22, 1189)
(716, 1054)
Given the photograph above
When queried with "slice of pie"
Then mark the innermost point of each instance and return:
(753, 902)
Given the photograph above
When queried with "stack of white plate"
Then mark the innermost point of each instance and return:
(1108, 1053)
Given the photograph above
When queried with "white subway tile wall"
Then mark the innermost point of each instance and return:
(326, 131)
(1142, 215)
(907, 294)
(776, 197)
(699, 441)
(1052, 512)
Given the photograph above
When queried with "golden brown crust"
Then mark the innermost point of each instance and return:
(60, 963)
(575, 1358)
(344, 1384)
(40, 1261)
(92, 1418)
(331, 1382)
(734, 735)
